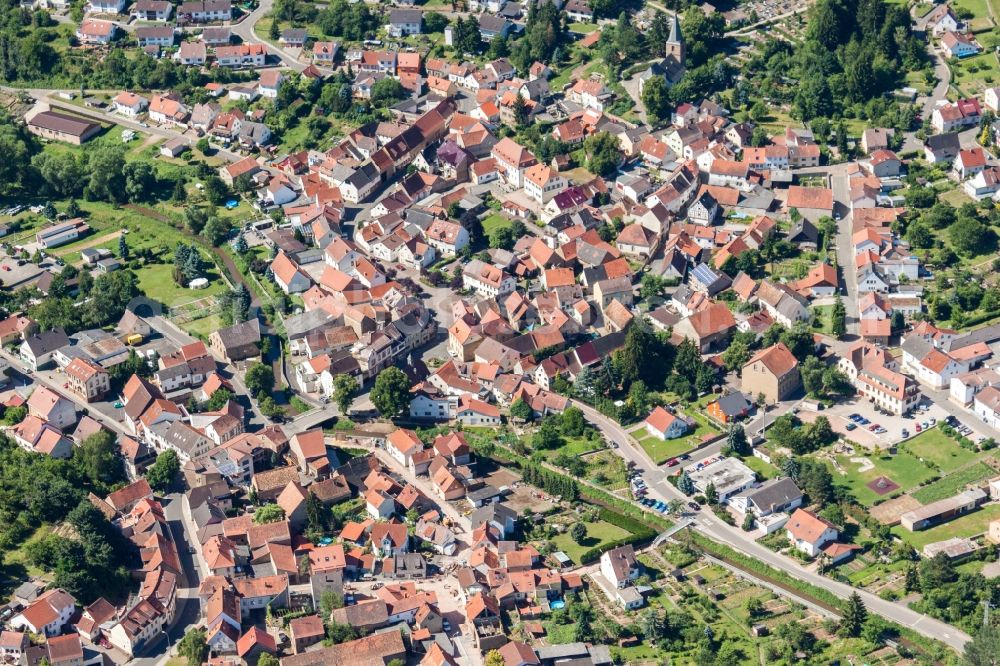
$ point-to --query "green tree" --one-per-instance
(572, 422)
(494, 658)
(98, 460)
(603, 154)
(685, 484)
(215, 190)
(578, 532)
(971, 237)
(164, 470)
(736, 440)
(391, 392)
(259, 379)
(520, 409)
(984, 648)
(387, 91)
(711, 494)
(330, 601)
(656, 99)
(269, 513)
(216, 230)
(345, 388)
(854, 616)
(193, 647)
(838, 318)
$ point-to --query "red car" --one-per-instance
(672, 462)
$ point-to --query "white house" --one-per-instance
(662, 424)
(288, 276)
(808, 532)
(620, 566)
(130, 105)
(487, 280)
(47, 615)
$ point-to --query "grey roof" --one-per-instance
(916, 347)
(803, 230)
(486, 492)
(595, 654)
(713, 281)
(775, 494)
(47, 341)
(181, 436)
(946, 141)
(499, 512)
(247, 333)
(299, 326)
(405, 16)
(733, 403)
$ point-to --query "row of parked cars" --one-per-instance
(858, 420)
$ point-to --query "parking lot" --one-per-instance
(840, 420)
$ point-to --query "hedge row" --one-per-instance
(626, 523)
(640, 533)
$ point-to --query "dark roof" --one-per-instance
(948, 140)
(803, 230)
(62, 122)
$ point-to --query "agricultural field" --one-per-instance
(953, 483)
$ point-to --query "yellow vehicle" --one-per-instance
(133, 340)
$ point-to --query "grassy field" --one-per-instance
(157, 282)
(661, 451)
(953, 483)
(902, 468)
(597, 533)
(583, 28)
(974, 74)
(968, 525)
(936, 447)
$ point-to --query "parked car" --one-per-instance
(694, 506)
(672, 462)
(905, 433)
(851, 426)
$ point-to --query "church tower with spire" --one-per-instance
(675, 42)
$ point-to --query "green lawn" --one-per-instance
(597, 534)
(822, 313)
(204, 326)
(657, 449)
(934, 446)
(765, 470)
(953, 483)
(493, 222)
(583, 28)
(902, 468)
(974, 74)
(157, 282)
(968, 525)
(661, 451)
